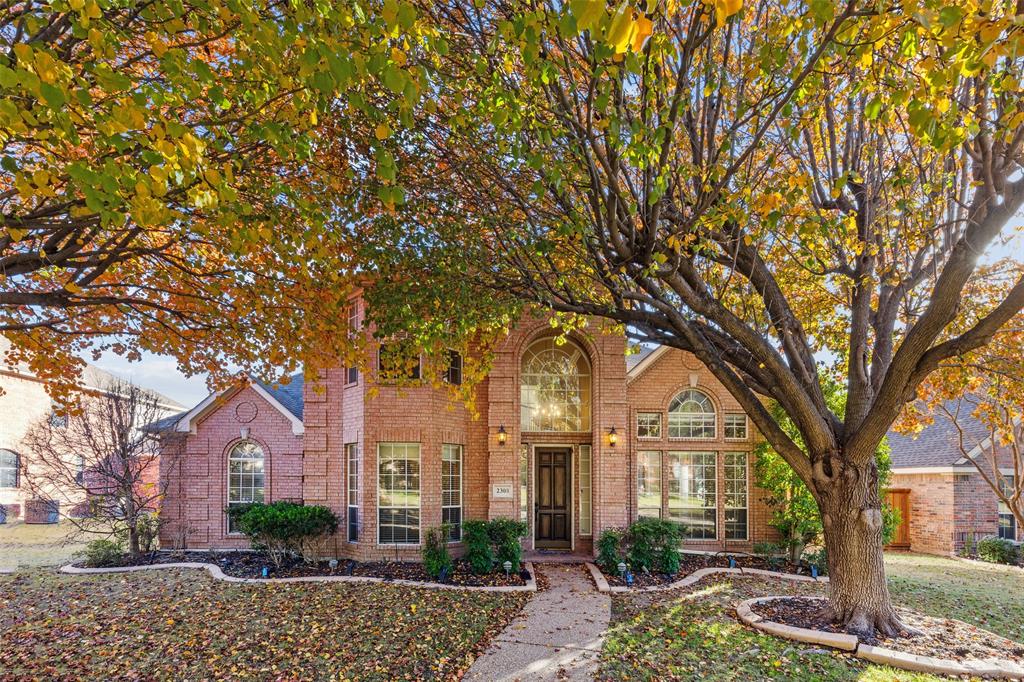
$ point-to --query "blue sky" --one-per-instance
(161, 373)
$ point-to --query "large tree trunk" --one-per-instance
(851, 513)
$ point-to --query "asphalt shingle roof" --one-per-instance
(938, 444)
(635, 359)
(289, 395)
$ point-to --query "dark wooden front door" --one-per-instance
(900, 501)
(554, 520)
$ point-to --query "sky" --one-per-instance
(160, 373)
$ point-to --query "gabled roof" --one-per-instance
(286, 398)
(638, 363)
(938, 444)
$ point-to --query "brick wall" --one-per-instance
(932, 526)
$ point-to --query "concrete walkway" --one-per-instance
(558, 635)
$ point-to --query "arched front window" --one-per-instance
(691, 414)
(8, 469)
(555, 389)
(245, 476)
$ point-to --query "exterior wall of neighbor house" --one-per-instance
(196, 469)
(932, 498)
(23, 402)
(976, 508)
(651, 391)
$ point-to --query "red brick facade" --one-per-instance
(312, 466)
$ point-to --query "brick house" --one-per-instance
(570, 438)
(24, 402)
(942, 498)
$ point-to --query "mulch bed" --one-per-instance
(941, 638)
(251, 565)
(694, 562)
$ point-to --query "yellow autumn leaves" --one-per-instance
(627, 28)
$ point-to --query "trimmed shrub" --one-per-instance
(998, 551)
(99, 553)
(435, 551)
(505, 534)
(819, 558)
(609, 550)
(477, 541)
(286, 528)
(654, 545)
(771, 552)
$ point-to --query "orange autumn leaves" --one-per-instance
(626, 28)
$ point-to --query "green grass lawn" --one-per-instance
(990, 596)
(693, 633)
(182, 624)
(30, 544)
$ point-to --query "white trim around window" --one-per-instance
(738, 421)
(736, 480)
(648, 425)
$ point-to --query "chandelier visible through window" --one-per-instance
(555, 388)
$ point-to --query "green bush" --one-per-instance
(998, 551)
(654, 545)
(770, 552)
(505, 535)
(435, 551)
(609, 550)
(819, 558)
(970, 548)
(477, 540)
(100, 553)
(147, 530)
(286, 528)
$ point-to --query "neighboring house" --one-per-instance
(24, 402)
(943, 499)
(571, 438)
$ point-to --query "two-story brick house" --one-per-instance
(572, 438)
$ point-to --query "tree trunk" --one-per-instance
(133, 541)
(851, 514)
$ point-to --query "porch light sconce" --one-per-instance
(613, 437)
(502, 435)
(244, 432)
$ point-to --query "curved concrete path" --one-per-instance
(558, 635)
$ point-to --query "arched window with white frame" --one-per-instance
(691, 414)
(555, 387)
(246, 482)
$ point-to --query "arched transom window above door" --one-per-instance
(691, 414)
(555, 388)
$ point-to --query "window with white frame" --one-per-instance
(451, 490)
(586, 501)
(1007, 521)
(692, 493)
(398, 493)
(555, 387)
(735, 426)
(691, 414)
(734, 465)
(8, 469)
(524, 483)
(246, 481)
(648, 425)
(648, 483)
(352, 457)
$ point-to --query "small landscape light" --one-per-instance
(613, 437)
(814, 571)
(333, 564)
(622, 568)
(508, 567)
(502, 435)
(266, 571)
(732, 562)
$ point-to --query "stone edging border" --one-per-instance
(603, 586)
(530, 586)
(897, 659)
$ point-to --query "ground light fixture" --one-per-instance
(502, 435)
(508, 567)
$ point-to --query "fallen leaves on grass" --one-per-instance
(185, 625)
